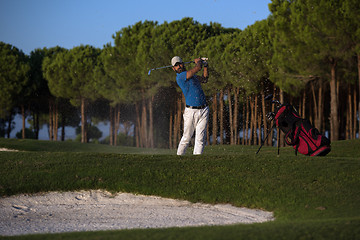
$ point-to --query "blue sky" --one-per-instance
(31, 24)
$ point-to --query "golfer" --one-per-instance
(196, 114)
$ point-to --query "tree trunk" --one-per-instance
(221, 102)
(236, 114)
(170, 129)
(208, 134)
(144, 130)
(303, 110)
(177, 127)
(83, 120)
(248, 108)
(321, 105)
(50, 120)
(354, 115)
(358, 58)
(350, 115)
(53, 123)
(334, 119)
(180, 118)
(256, 139)
(281, 135)
(36, 123)
(265, 127)
(151, 123)
(231, 123)
(214, 115)
(244, 121)
(278, 136)
(8, 131)
(176, 124)
(116, 124)
(251, 121)
(62, 127)
(259, 125)
(56, 120)
(137, 132)
(348, 120)
(272, 110)
(84, 138)
(316, 116)
(23, 120)
(318, 105)
(111, 127)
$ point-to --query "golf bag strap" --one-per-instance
(296, 137)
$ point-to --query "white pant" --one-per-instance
(194, 120)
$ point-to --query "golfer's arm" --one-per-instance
(193, 71)
(205, 75)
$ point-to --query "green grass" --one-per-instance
(70, 146)
(312, 198)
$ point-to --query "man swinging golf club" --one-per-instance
(196, 114)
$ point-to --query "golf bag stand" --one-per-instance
(267, 135)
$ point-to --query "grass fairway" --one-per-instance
(312, 198)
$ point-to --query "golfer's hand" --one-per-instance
(198, 62)
(198, 66)
(205, 63)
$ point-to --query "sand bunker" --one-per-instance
(56, 212)
(8, 150)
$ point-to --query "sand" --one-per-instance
(56, 212)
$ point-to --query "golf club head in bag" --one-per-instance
(271, 115)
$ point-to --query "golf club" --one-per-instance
(270, 117)
(203, 58)
(270, 97)
(165, 67)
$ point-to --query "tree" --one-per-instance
(129, 75)
(253, 66)
(14, 68)
(70, 75)
(50, 72)
(351, 14)
(110, 88)
(84, 61)
(247, 58)
(40, 93)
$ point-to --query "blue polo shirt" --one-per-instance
(191, 88)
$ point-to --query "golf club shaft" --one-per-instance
(168, 66)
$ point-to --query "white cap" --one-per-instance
(175, 60)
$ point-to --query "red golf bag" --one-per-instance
(300, 134)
